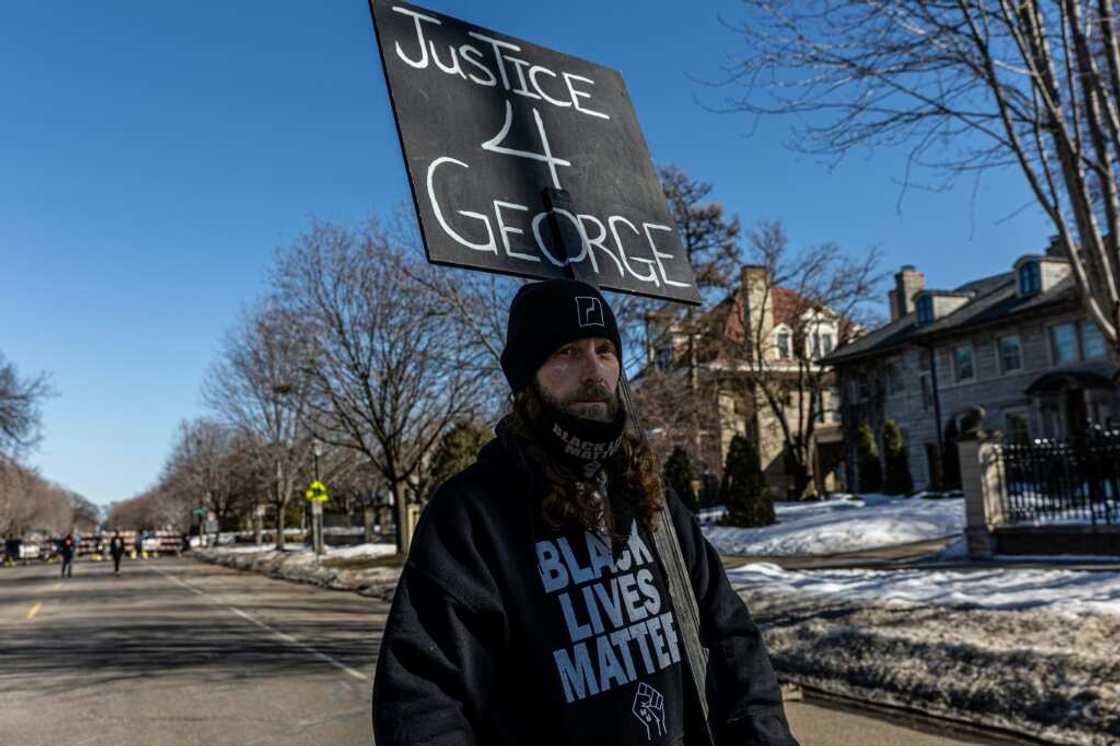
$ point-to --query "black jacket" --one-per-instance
(503, 631)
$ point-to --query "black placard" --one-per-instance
(489, 124)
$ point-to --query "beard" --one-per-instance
(594, 392)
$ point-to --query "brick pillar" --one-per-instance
(983, 485)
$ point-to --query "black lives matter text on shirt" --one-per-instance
(488, 123)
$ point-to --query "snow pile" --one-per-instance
(1064, 591)
(301, 565)
(845, 523)
(1028, 650)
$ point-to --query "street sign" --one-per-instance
(317, 492)
(502, 137)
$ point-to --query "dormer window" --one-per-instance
(784, 346)
(1030, 278)
(925, 309)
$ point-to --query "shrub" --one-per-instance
(743, 489)
(870, 470)
(677, 474)
(898, 480)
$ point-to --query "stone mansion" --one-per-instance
(1013, 352)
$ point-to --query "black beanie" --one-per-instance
(544, 316)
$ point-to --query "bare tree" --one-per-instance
(261, 385)
(165, 505)
(210, 461)
(823, 298)
(20, 416)
(967, 85)
(29, 502)
(711, 240)
(678, 409)
(389, 369)
(86, 514)
(480, 302)
(21, 491)
(676, 401)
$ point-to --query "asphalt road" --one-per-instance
(179, 652)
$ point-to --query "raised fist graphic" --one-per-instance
(649, 707)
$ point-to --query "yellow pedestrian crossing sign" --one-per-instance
(317, 492)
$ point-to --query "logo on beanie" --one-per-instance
(590, 311)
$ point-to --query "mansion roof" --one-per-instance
(992, 301)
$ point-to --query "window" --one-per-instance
(1063, 343)
(783, 345)
(1010, 354)
(895, 384)
(864, 388)
(925, 309)
(1030, 278)
(1092, 341)
(822, 344)
(1017, 427)
(962, 359)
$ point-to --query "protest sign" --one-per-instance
(523, 160)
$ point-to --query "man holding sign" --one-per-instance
(533, 609)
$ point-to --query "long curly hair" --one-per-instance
(635, 484)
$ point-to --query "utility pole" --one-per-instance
(317, 507)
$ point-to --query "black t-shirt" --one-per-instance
(605, 636)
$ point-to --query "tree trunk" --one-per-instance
(368, 520)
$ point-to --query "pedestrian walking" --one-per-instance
(116, 549)
(68, 548)
(533, 608)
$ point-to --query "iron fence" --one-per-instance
(1073, 481)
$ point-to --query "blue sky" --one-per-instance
(154, 155)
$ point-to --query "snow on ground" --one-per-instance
(844, 523)
(362, 550)
(302, 553)
(1063, 591)
(300, 564)
(1030, 651)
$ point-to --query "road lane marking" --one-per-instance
(34, 610)
(290, 639)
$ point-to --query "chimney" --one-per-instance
(892, 299)
(757, 303)
(1055, 248)
(908, 283)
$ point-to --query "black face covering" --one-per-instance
(580, 444)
